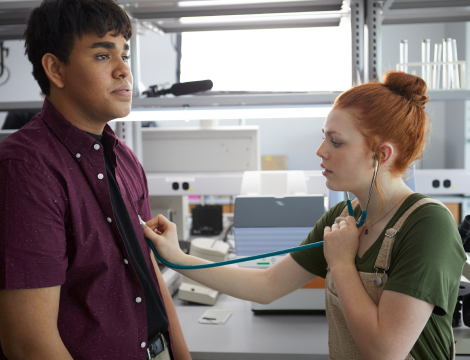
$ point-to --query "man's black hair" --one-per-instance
(54, 25)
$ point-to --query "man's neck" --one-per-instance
(76, 116)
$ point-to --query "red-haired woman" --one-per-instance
(391, 284)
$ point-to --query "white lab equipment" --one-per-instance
(442, 182)
(175, 209)
(200, 150)
(172, 279)
(209, 249)
(275, 212)
(195, 161)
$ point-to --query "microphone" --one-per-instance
(179, 89)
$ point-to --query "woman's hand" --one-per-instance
(341, 242)
(162, 232)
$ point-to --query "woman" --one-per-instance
(392, 284)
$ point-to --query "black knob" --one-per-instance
(446, 183)
(185, 186)
(175, 186)
(436, 183)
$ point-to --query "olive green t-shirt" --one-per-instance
(427, 262)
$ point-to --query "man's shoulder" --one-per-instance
(30, 144)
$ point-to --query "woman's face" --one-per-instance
(347, 165)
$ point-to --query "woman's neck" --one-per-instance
(394, 190)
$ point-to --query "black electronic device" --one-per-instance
(464, 231)
(207, 220)
(186, 88)
(462, 308)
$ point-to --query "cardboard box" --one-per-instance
(273, 163)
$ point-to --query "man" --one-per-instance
(76, 276)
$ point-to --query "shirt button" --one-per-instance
(138, 300)
(97, 147)
(100, 176)
(109, 220)
(78, 155)
(126, 262)
(143, 345)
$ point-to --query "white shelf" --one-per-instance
(247, 99)
(448, 95)
(415, 12)
(314, 98)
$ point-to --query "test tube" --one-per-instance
(456, 82)
(445, 72)
(404, 55)
(436, 68)
(426, 59)
(450, 67)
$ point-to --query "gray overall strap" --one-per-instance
(385, 253)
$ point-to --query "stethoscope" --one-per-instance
(273, 253)
(364, 212)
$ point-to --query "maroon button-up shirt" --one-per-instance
(57, 227)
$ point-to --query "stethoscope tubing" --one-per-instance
(234, 261)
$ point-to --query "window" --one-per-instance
(304, 59)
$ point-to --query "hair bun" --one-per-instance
(411, 87)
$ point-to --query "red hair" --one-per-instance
(390, 111)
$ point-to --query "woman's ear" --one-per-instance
(53, 68)
(386, 153)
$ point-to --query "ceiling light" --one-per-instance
(263, 17)
(229, 2)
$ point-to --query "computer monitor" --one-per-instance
(264, 223)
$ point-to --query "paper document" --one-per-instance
(215, 317)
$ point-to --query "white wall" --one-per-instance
(21, 86)
(157, 58)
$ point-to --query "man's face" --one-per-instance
(97, 80)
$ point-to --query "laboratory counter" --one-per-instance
(246, 336)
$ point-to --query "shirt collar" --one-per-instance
(74, 139)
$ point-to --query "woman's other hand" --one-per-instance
(162, 232)
(341, 242)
